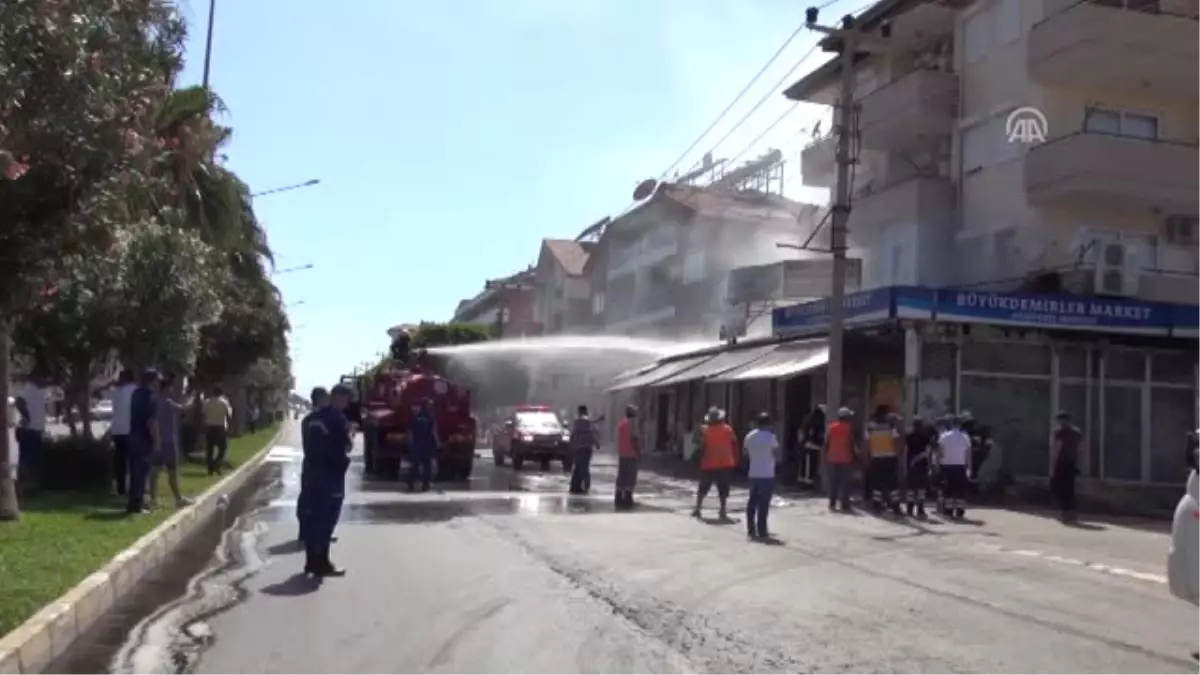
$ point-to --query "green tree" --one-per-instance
(171, 283)
(79, 82)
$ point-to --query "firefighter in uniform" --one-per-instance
(330, 440)
(320, 399)
(882, 440)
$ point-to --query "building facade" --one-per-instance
(508, 304)
(1101, 199)
(666, 261)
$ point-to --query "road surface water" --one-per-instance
(507, 573)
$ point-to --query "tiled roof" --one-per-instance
(570, 254)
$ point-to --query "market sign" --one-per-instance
(1061, 311)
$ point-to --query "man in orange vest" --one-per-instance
(629, 450)
(718, 459)
(840, 451)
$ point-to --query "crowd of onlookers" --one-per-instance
(144, 434)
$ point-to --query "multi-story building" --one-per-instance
(666, 261)
(946, 192)
(562, 290)
(506, 303)
(1033, 163)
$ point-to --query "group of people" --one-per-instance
(145, 432)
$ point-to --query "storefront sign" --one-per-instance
(1052, 311)
(861, 307)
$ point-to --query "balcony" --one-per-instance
(906, 113)
(818, 162)
(924, 200)
(1096, 169)
(1092, 45)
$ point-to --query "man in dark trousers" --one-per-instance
(122, 395)
(320, 399)
(423, 447)
(583, 442)
(143, 438)
(327, 487)
(1067, 439)
(812, 444)
(919, 442)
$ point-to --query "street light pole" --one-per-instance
(297, 186)
(212, 9)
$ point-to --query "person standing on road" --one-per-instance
(883, 440)
(1067, 439)
(143, 439)
(166, 454)
(423, 447)
(330, 436)
(583, 442)
(629, 451)
(217, 415)
(308, 441)
(718, 459)
(916, 478)
(954, 458)
(841, 454)
(118, 428)
(762, 449)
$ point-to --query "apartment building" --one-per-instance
(1106, 203)
(563, 292)
(1058, 254)
(666, 261)
(507, 303)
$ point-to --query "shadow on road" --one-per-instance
(284, 548)
(296, 585)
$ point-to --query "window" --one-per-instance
(1139, 126)
(1118, 123)
(975, 147)
(1008, 21)
(693, 266)
(977, 36)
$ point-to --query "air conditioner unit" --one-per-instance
(1117, 268)
(1182, 230)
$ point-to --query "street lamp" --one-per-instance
(299, 268)
(308, 183)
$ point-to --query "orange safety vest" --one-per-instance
(627, 445)
(720, 447)
(841, 448)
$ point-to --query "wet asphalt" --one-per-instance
(507, 573)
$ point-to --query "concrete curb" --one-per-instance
(33, 645)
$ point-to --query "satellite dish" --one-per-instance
(644, 189)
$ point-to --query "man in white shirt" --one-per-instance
(762, 451)
(954, 458)
(31, 431)
(122, 395)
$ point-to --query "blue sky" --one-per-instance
(450, 137)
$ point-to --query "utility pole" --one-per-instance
(851, 41)
(212, 9)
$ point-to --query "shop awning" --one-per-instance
(787, 360)
(661, 372)
(717, 365)
(627, 375)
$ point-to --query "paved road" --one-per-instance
(510, 575)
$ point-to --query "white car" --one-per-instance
(102, 411)
(1183, 561)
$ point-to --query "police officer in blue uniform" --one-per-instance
(320, 399)
(326, 488)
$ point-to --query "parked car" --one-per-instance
(102, 411)
(535, 433)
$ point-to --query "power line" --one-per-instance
(736, 99)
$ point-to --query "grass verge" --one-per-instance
(62, 537)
